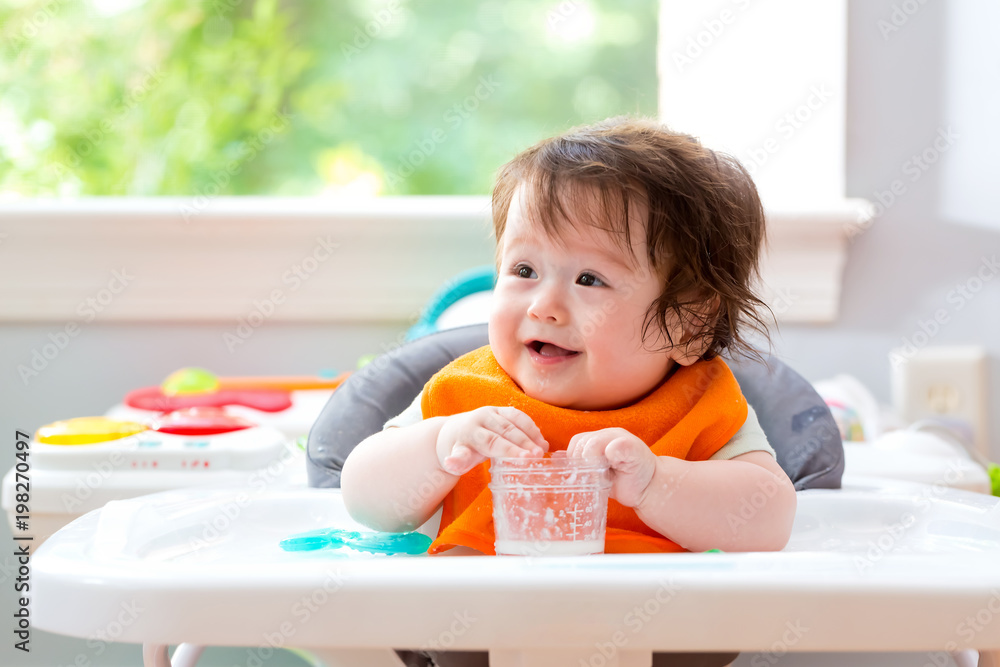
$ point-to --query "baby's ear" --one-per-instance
(695, 340)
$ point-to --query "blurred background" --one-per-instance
(123, 97)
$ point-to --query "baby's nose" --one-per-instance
(548, 305)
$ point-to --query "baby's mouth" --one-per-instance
(550, 349)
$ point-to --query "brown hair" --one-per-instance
(704, 219)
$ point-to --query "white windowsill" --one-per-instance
(243, 255)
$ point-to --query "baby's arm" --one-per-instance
(743, 504)
(746, 503)
(392, 480)
(395, 479)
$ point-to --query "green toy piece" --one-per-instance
(189, 381)
(371, 542)
(366, 359)
(993, 470)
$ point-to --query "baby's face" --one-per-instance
(567, 315)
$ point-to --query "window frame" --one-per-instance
(247, 259)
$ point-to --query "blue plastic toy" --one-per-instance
(479, 279)
(371, 542)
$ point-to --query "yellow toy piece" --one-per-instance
(87, 431)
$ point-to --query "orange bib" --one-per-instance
(690, 416)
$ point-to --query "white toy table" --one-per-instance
(953, 469)
(902, 567)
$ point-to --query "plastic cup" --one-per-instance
(550, 506)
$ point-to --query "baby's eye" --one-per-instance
(524, 272)
(589, 280)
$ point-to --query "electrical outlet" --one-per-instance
(943, 381)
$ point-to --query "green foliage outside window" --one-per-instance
(173, 97)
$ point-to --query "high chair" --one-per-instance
(876, 566)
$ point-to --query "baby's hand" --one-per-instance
(469, 438)
(632, 461)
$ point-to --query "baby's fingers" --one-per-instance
(533, 437)
(625, 455)
(624, 449)
(508, 432)
(461, 460)
(504, 442)
(583, 445)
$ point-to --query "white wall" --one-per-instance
(908, 264)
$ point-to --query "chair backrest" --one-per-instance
(797, 422)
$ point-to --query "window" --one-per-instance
(256, 97)
(353, 99)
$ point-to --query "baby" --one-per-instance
(625, 256)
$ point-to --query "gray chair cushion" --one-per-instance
(797, 422)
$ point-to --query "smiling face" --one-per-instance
(568, 312)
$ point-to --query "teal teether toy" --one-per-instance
(371, 542)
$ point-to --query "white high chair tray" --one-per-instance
(898, 567)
